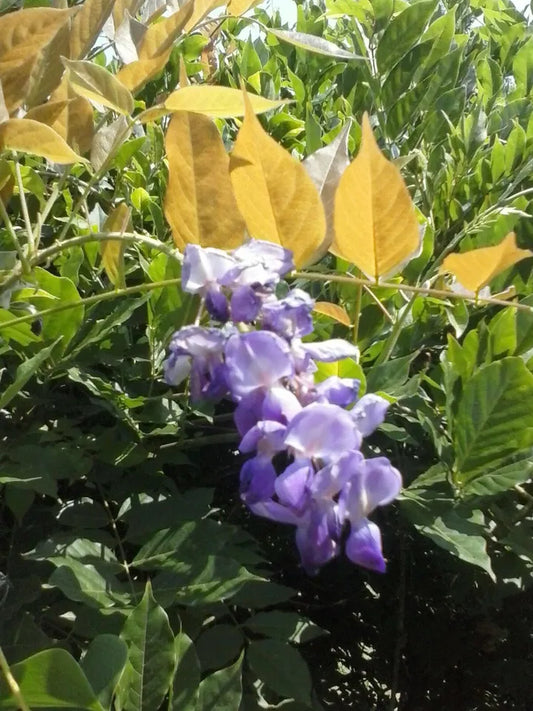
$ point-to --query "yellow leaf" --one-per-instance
(476, 268)
(38, 139)
(75, 124)
(275, 195)
(48, 113)
(87, 25)
(337, 313)
(31, 42)
(135, 75)
(160, 36)
(47, 70)
(24, 32)
(15, 82)
(216, 101)
(112, 250)
(97, 84)
(375, 222)
(199, 203)
(239, 7)
(120, 7)
(4, 113)
(201, 9)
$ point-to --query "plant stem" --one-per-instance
(425, 290)
(20, 250)
(357, 312)
(12, 683)
(24, 205)
(95, 299)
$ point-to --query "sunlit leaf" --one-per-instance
(75, 123)
(312, 43)
(375, 222)
(217, 101)
(201, 9)
(50, 679)
(239, 7)
(337, 313)
(275, 195)
(112, 250)
(135, 75)
(25, 32)
(107, 141)
(122, 6)
(476, 268)
(97, 84)
(128, 37)
(87, 25)
(48, 68)
(199, 202)
(151, 656)
(494, 418)
(325, 168)
(38, 139)
(160, 36)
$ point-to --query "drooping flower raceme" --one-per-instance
(304, 437)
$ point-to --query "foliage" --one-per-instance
(134, 578)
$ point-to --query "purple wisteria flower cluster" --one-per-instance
(304, 437)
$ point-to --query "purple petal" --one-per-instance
(317, 538)
(266, 437)
(216, 304)
(199, 341)
(383, 482)
(377, 483)
(176, 368)
(245, 304)
(337, 391)
(260, 262)
(203, 266)
(329, 351)
(258, 359)
(290, 317)
(369, 413)
(292, 486)
(249, 411)
(274, 511)
(257, 479)
(363, 547)
(281, 405)
(329, 480)
(323, 432)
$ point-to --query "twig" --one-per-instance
(12, 683)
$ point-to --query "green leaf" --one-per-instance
(256, 594)
(494, 417)
(103, 664)
(185, 687)
(312, 43)
(51, 679)
(24, 372)
(151, 657)
(389, 377)
(218, 646)
(285, 626)
(222, 691)
(93, 585)
(459, 530)
(502, 478)
(403, 32)
(281, 667)
(64, 324)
